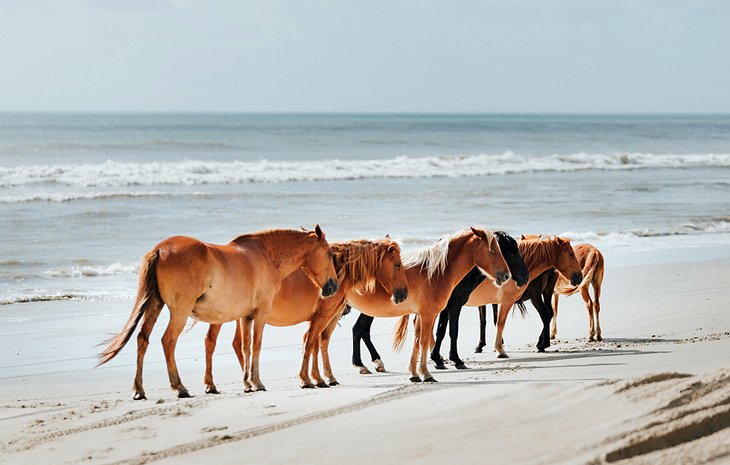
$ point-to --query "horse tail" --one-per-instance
(400, 332)
(522, 309)
(588, 270)
(147, 295)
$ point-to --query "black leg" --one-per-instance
(543, 342)
(374, 355)
(440, 334)
(454, 312)
(482, 329)
(358, 330)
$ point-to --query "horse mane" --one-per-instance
(271, 232)
(360, 260)
(434, 258)
(538, 251)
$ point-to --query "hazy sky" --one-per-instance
(365, 55)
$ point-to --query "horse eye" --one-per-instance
(397, 266)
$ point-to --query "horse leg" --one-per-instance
(543, 342)
(597, 309)
(454, 312)
(169, 341)
(374, 355)
(440, 334)
(589, 306)
(259, 322)
(425, 342)
(306, 382)
(495, 310)
(210, 342)
(414, 353)
(244, 329)
(143, 340)
(318, 381)
(324, 344)
(504, 309)
(482, 329)
(554, 325)
(357, 335)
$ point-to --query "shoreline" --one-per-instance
(657, 319)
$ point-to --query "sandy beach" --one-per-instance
(655, 389)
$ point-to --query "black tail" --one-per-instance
(147, 295)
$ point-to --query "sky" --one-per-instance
(517, 56)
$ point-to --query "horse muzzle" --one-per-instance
(576, 279)
(399, 295)
(502, 278)
(329, 288)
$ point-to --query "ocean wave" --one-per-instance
(121, 174)
(59, 197)
(92, 271)
(720, 225)
(10, 299)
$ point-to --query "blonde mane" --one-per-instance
(360, 260)
(538, 251)
(434, 258)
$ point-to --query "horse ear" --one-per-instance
(392, 248)
(479, 233)
(387, 236)
(319, 233)
(522, 237)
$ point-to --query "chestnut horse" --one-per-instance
(432, 275)
(219, 283)
(539, 255)
(360, 265)
(592, 263)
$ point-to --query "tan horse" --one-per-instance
(592, 263)
(539, 254)
(219, 283)
(360, 265)
(432, 275)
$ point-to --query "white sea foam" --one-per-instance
(120, 174)
(89, 271)
(60, 197)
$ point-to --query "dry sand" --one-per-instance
(657, 390)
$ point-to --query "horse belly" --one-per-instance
(379, 304)
(484, 294)
(222, 303)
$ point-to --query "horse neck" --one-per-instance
(285, 259)
(349, 257)
(539, 263)
(459, 262)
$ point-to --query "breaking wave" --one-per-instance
(120, 174)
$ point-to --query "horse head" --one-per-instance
(566, 263)
(488, 257)
(318, 263)
(391, 273)
(511, 254)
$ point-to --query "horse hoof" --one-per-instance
(552, 336)
(599, 339)
(212, 390)
(380, 369)
(322, 384)
(478, 350)
(364, 370)
(334, 382)
(260, 388)
(502, 355)
(183, 395)
(429, 379)
(440, 366)
(591, 339)
(461, 366)
(307, 386)
(139, 396)
(415, 379)
(541, 350)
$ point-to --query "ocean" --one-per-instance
(84, 196)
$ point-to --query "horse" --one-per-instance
(219, 283)
(459, 296)
(432, 274)
(539, 255)
(592, 262)
(360, 265)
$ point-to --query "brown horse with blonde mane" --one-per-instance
(540, 255)
(432, 275)
(592, 263)
(360, 265)
(219, 283)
